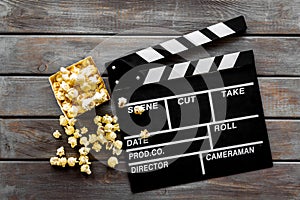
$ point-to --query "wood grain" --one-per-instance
(32, 96)
(38, 180)
(32, 139)
(96, 17)
(44, 55)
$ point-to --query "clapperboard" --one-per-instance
(205, 117)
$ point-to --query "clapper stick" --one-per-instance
(149, 75)
(168, 51)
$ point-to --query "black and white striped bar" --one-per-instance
(190, 68)
(167, 51)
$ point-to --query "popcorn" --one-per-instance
(116, 127)
(72, 112)
(109, 145)
(100, 130)
(85, 87)
(118, 144)
(72, 121)
(65, 77)
(93, 138)
(60, 96)
(138, 110)
(144, 134)
(84, 141)
(77, 134)
(108, 127)
(66, 106)
(63, 121)
(80, 79)
(112, 162)
(101, 139)
(84, 151)
(107, 119)
(72, 141)
(60, 151)
(64, 70)
(56, 134)
(116, 151)
(72, 161)
(88, 104)
(98, 120)
(63, 161)
(85, 169)
(97, 147)
(122, 102)
(115, 119)
(83, 160)
(100, 97)
(111, 136)
(58, 77)
(81, 86)
(72, 93)
(54, 161)
(84, 130)
(65, 86)
(69, 130)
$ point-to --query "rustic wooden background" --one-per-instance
(37, 37)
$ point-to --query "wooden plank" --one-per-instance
(32, 139)
(31, 55)
(38, 180)
(32, 96)
(18, 16)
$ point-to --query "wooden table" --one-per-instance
(38, 37)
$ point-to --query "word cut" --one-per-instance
(233, 92)
(225, 126)
(186, 100)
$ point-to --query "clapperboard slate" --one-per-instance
(205, 117)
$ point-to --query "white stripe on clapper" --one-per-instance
(173, 46)
(220, 29)
(204, 65)
(197, 38)
(149, 54)
(154, 75)
(228, 61)
(179, 70)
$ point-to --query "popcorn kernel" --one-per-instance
(84, 151)
(112, 162)
(97, 147)
(138, 110)
(84, 130)
(144, 134)
(122, 102)
(56, 134)
(85, 169)
(118, 144)
(72, 161)
(60, 151)
(72, 141)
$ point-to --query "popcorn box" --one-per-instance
(78, 88)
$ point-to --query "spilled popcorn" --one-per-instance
(106, 136)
